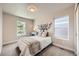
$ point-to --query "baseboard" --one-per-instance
(75, 53)
(10, 42)
(66, 48)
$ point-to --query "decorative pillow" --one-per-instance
(44, 33)
(39, 33)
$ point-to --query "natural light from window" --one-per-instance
(21, 26)
(62, 28)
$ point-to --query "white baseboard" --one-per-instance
(10, 42)
(75, 53)
(63, 47)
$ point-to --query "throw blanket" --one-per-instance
(28, 46)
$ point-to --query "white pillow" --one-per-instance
(44, 34)
(39, 33)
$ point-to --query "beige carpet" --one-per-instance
(10, 50)
(55, 51)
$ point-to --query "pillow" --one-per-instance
(44, 33)
(39, 33)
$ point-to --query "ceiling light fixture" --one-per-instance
(32, 8)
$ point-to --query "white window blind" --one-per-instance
(62, 28)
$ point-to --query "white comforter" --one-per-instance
(32, 45)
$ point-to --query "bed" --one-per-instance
(30, 46)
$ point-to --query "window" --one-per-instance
(62, 27)
(21, 28)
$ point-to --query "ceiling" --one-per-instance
(20, 9)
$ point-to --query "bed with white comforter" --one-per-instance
(30, 46)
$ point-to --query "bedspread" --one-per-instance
(28, 46)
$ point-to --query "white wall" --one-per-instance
(0, 28)
(10, 29)
(69, 44)
(42, 19)
(77, 30)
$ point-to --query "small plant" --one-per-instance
(44, 27)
